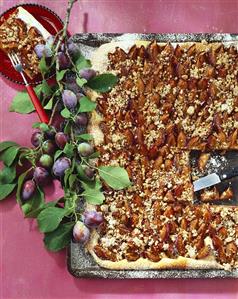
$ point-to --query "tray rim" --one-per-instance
(98, 272)
(94, 40)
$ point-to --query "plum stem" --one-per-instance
(64, 30)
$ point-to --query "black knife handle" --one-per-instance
(229, 174)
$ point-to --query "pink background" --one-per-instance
(27, 270)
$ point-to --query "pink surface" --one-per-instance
(27, 270)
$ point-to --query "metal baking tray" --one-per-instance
(81, 264)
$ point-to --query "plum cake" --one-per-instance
(169, 100)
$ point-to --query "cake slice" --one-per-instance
(20, 33)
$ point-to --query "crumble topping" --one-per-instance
(16, 36)
(168, 102)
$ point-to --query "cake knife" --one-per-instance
(214, 179)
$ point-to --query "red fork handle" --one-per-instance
(37, 104)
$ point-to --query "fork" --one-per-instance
(35, 101)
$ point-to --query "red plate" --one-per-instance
(48, 19)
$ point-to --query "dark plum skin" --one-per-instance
(73, 49)
(69, 99)
(92, 218)
(28, 190)
(73, 87)
(36, 138)
(87, 73)
(89, 172)
(81, 119)
(85, 149)
(49, 147)
(80, 232)
(80, 130)
(41, 176)
(46, 161)
(70, 77)
(61, 139)
(64, 62)
(40, 50)
(60, 166)
(57, 121)
(43, 50)
(50, 134)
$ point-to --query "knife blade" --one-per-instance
(206, 181)
(214, 178)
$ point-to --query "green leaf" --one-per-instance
(80, 172)
(19, 185)
(69, 150)
(67, 127)
(6, 190)
(72, 179)
(68, 172)
(94, 197)
(65, 113)
(66, 176)
(82, 63)
(36, 212)
(6, 144)
(95, 185)
(9, 155)
(7, 175)
(36, 125)
(22, 102)
(22, 157)
(116, 177)
(42, 126)
(103, 82)
(70, 200)
(45, 88)
(50, 218)
(86, 105)
(60, 75)
(58, 154)
(49, 105)
(94, 155)
(59, 238)
(85, 137)
(32, 206)
(81, 82)
(43, 66)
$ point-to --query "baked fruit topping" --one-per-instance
(168, 101)
(17, 36)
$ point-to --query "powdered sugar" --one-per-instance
(216, 163)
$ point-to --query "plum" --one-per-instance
(88, 171)
(64, 62)
(87, 73)
(43, 50)
(48, 147)
(41, 176)
(61, 139)
(69, 99)
(81, 233)
(85, 149)
(37, 138)
(73, 49)
(46, 161)
(81, 119)
(92, 218)
(60, 166)
(28, 189)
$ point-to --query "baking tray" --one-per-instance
(80, 263)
